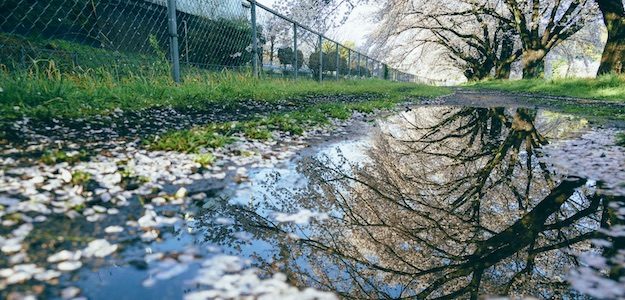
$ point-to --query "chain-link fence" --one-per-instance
(179, 36)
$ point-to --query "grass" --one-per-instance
(609, 87)
(54, 87)
(620, 139)
(205, 159)
(46, 93)
(52, 157)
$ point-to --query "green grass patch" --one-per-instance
(620, 139)
(205, 159)
(609, 87)
(52, 157)
(80, 178)
(79, 81)
(70, 80)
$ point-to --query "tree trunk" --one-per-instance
(503, 71)
(475, 75)
(534, 63)
(479, 70)
(504, 64)
(613, 59)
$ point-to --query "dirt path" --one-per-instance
(605, 113)
(473, 97)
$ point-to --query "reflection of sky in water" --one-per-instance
(289, 177)
(124, 282)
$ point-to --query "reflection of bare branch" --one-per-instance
(438, 211)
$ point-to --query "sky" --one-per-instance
(357, 27)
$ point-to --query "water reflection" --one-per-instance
(449, 203)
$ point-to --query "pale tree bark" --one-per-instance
(613, 59)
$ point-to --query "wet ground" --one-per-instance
(433, 201)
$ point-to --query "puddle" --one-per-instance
(433, 202)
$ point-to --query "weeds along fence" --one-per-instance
(147, 37)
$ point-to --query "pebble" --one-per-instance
(99, 248)
(68, 266)
(70, 292)
(114, 229)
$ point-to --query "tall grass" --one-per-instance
(44, 92)
(608, 87)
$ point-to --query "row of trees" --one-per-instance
(484, 37)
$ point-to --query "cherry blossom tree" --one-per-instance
(613, 59)
(481, 35)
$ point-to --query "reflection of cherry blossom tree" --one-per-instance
(450, 203)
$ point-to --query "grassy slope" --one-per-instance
(605, 88)
(99, 85)
(49, 94)
(63, 96)
(105, 80)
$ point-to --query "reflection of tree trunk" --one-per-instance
(613, 59)
(519, 235)
(496, 122)
(534, 63)
(525, 230)
(614, 220)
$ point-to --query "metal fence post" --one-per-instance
(338, 59)
(373, 68)
(186, 40)
(320, 58)
(23, 57)
(296, 62)
(75, 59)
(173, 40)
(359, 66)
(384, 72)
(254, 39)
(349, 62)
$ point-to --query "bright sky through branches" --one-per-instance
(357, 27)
